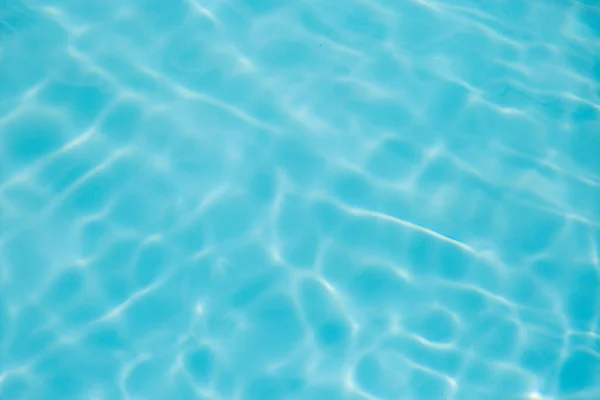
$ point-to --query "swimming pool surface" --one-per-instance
(304, 200)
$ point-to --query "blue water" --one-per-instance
(308, 199)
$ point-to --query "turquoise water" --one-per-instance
(308, 199)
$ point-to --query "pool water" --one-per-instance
(307, 199)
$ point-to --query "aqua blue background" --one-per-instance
(310, 199)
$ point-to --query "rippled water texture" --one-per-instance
(307, 199)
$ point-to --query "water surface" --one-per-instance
(316, 199)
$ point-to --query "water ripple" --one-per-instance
(257, 199)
